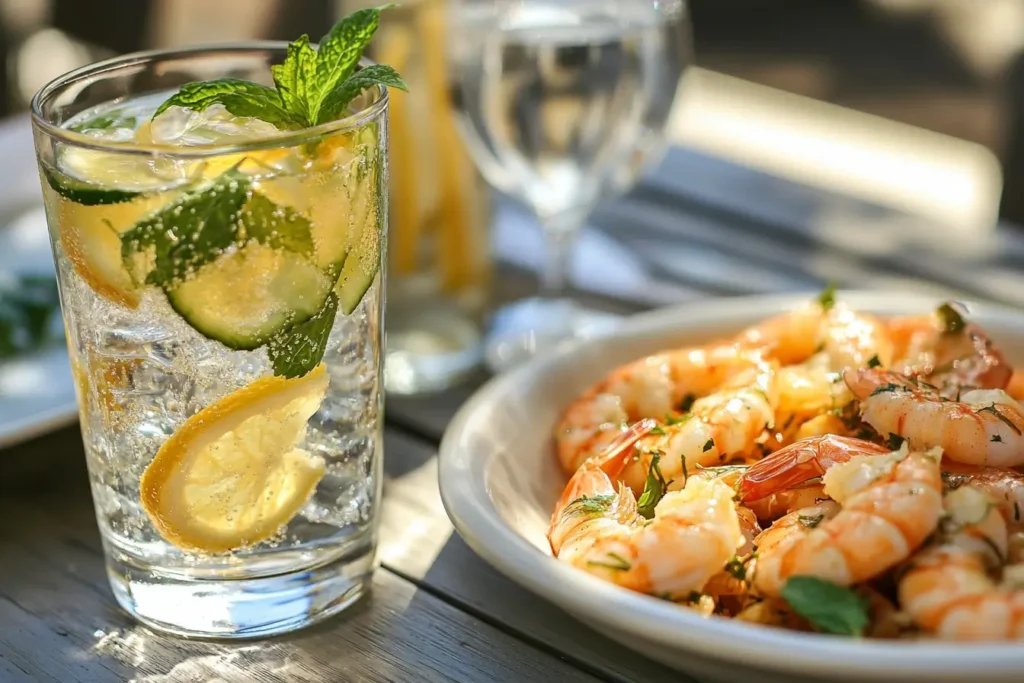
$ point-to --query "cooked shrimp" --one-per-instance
(890, 504)
(847, 338)
(719, 428)
(798, 463)
(1015, 387)
(656, 386)
(775, 505)
(948, 590)
(596, 527)
(1004, 487)
(983, 427)
(948, 352)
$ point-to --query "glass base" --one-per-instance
(430, 349)
(239, 608)
(531, 327)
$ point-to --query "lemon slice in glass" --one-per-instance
(232, 475)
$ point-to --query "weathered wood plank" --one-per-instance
(59, 621)
(418, 541)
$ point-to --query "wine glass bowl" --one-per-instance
(562, 103)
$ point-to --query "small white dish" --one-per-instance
(499, 483)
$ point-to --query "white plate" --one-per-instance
(37, 393)
(499, 482)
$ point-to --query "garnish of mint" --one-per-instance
(829, 608)
(312, 86)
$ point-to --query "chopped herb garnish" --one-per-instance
(894, 441)
(694, 597)
(873, 362)
(657, 431)
(951, 320)
(654, 489)
(673, 420)
(827, 298)
(829, 608)
(996, 439)
(951, 482)
(687, 403)
(737, 568)
(810, 521)
(884, 388)
(686, 474)
(594, 505)
(614, 562)
(995, 411)
(709, 445)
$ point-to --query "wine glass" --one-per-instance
(562, 103)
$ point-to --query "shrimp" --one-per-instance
(597, 527)
(845, 337)
(982, 427)
(890, 504)
(655, 386)
(948, 352)
(948, 590)
(719, 428)
(799, 463)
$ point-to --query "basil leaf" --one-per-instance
(827, 298)
(295, 77)
(829, 608)
(241, 98)
(339, 53)
(192, 230)
(280, 227)
(337, 100)
(295, 352)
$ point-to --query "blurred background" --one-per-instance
(952, 67)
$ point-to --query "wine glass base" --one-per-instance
(532, 327)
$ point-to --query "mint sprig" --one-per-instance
(311, 86)
(829, 608)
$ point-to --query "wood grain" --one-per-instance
(419, 543)
(59, 622)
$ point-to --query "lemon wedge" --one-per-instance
(93, 246)
(232, 475)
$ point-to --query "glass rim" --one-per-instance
(285, 138)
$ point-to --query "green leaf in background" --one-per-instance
(337, 100)
(276, 226)
(295, 76)
(192, 230)
(295, 352)
(829, 608)
(28, 305)
(83, 193)
(241, 98)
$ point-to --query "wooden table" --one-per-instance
(437, 612)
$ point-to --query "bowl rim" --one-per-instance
(466, 497)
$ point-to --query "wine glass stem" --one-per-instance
(560, 234)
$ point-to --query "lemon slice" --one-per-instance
(232, 475)
(93, 245)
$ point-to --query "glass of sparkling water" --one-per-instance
(562, 103)
(222, 290)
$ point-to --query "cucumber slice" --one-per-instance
(246, 296)
(84, 193)
(363, 261)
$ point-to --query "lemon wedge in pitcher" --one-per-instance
(232, 475)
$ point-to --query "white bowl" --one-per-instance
(499, 482)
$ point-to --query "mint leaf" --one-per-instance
(241, 98)
(280, 227)
(337, 100)
(296, 351)
(829, 608)
(295, 76)
(104, 122)
(190, 231)
(84, 193)
(339, 53)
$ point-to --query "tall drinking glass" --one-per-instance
(204, 263)
(562, 103)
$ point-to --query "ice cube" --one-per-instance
(214, 125)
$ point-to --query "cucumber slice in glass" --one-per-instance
(247, 295)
